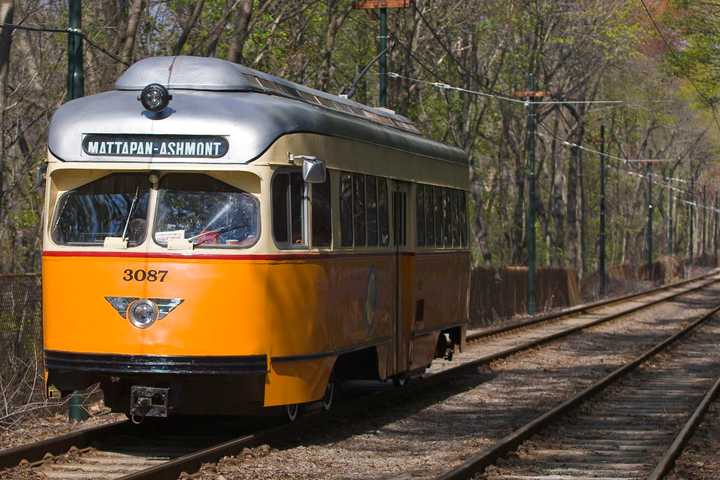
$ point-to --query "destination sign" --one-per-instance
(183, 146)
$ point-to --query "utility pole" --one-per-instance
(531, 127)
(382, 46)
(715, 230)
(75, 89)
(669, 218)
(692, 222)
(649, 230)
(76, 74)
(382, 51)
(602, 259)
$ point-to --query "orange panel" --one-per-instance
(245, 305)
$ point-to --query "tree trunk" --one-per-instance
(126, 54)
(7, 8)
(242, 29)
(573, 236)
(219, 28)
(188, 26)
(335, 22)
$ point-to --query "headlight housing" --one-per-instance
(155, 97)
(143, 313)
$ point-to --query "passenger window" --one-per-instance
(420, 215)
(383, 213)
(297, 187)
(359, 209)
(452, 202)
(321, 215)
(280, 207)
(346, 210)
(288, 208)
(437, 210)
(429, 216)
(400, 209)
(463, 219)
(372, 210)
(447, 239)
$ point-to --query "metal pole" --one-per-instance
(703, 249)
(382, 51)
(531, 127)
(602, 260)
(670, 218)
(76, 74)
(75, 89)
(715, 229)
(692, 221)
(649, 231)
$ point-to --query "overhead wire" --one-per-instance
(445, 86)
(75, 31)
(651, 177)
(624, 160)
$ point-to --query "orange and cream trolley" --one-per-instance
(218, 240)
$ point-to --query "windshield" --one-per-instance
(113, 206)
(205, 211)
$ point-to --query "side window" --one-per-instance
(364, 211)
(280, 186)
(359, 209)
(437, 210)
(454, 221)
(321, 216)
(384, 221)
(429, 217)
(420, 214)
(400, 209)
(372, 210)
(346, 210)
(288, 208)
(463, 219)
(297, 217)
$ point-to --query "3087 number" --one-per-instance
(144, 275)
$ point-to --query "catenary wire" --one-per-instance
(76, 31)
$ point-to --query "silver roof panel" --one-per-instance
(216, 97)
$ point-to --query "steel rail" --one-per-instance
(478, 462)
(192, 462)
(35, 453)
(580, 309)
(675, 450)
(563, 333)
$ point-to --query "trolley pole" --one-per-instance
(75, 89)
(649, 230)
(602, 259)
(382, 51)
(531, 128)
(76, 74)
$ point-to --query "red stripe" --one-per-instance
(276, 256)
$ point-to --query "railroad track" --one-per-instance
(648, 410)
(130, 450)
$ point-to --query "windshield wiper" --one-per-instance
(132, 208)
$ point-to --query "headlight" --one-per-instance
(155, 97)
(143, 313)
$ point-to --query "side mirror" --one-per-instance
(313, 170)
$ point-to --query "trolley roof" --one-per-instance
(216, 98)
